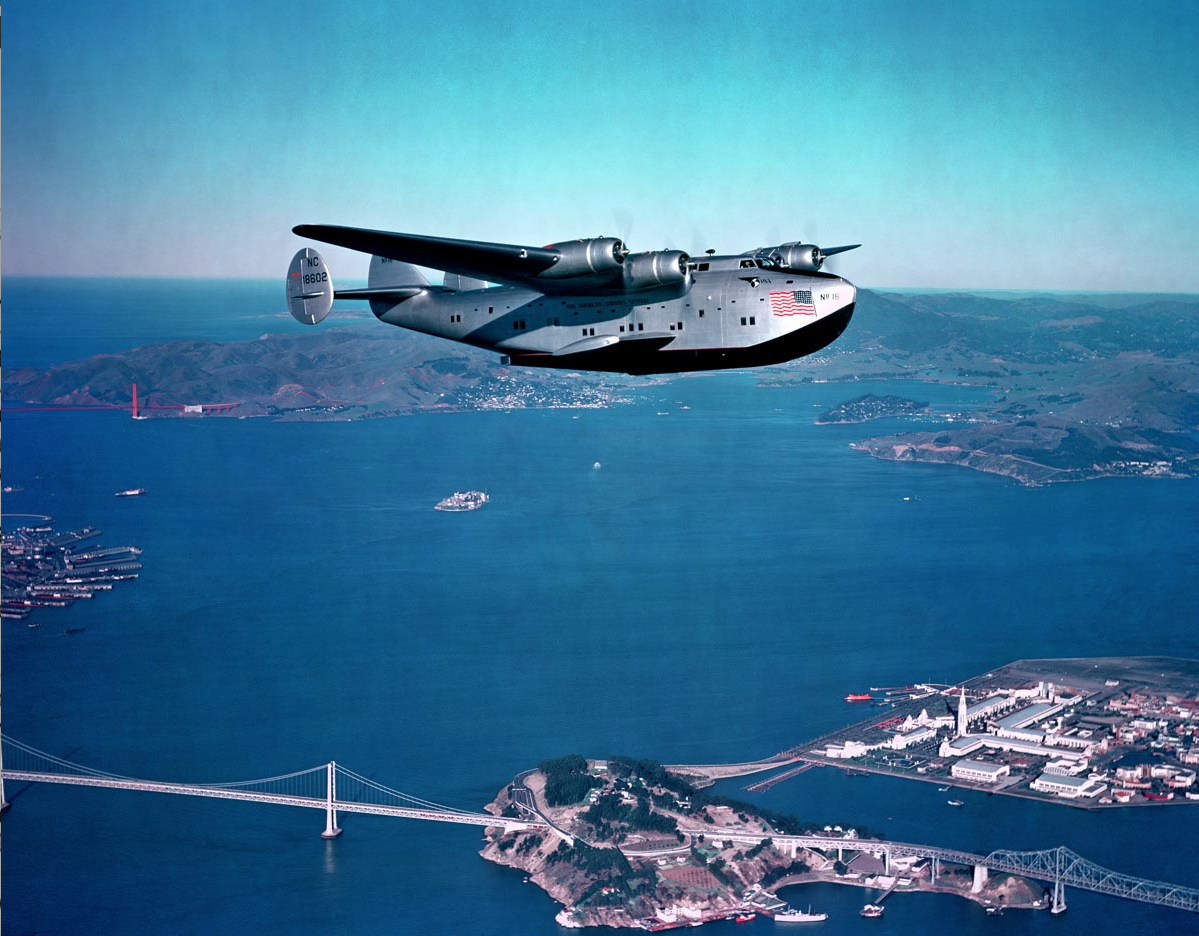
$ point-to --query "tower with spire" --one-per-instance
(962, 713)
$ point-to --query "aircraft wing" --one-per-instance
(498, 263)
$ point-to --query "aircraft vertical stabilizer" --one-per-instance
(385, 273)
(457, 283)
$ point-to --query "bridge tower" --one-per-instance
(1059, 886)
(331, 829)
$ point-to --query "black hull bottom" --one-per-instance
(635, 358)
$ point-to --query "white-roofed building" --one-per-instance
(905, 739)
(1068, 787)
(980, 772)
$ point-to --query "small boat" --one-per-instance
(745, 917)
(788, 915)
(871, 910)
(859, 697)
(994, 911)
(942, 789)
(132, 492)
(955, 802)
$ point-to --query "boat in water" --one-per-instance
(799, 916)
(132, 492)
(955, 802)
(859, 697)
(462, 500)
(745, 917)
(871, 910)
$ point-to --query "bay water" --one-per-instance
(696, 577)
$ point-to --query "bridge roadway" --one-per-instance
(279, 799)
(1059, 866)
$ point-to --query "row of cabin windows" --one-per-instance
(752, 320)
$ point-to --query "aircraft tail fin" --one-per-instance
(385, 274)
(309, 287)
(455, 283)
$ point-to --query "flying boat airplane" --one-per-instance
(589, 304)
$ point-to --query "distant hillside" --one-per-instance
(354, 371)
(1082, 388)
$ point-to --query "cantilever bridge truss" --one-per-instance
(335, 789)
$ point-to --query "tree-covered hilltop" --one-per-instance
(567, 780)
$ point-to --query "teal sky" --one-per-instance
(964, 144)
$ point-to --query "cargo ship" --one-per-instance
(462, 500)
(859, 697)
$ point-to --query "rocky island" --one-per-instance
(629, 843)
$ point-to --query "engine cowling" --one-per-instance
(588, 257)
(656, 268)
(796, 257)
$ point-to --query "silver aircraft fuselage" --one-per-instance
(682, 314)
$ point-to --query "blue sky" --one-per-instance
(987, 145)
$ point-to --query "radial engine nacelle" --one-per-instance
(798, 258)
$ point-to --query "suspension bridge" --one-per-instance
(330, 787)
(335, 789)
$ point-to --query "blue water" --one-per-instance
(711, 592)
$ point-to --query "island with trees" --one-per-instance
(625, 842)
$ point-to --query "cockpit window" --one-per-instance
(747, 264)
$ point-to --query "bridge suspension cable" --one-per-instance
(330, 787)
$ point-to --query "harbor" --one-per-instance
(44, 569)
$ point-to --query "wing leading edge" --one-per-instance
(500, 263)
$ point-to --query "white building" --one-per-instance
(979, 772)
(1068, 787)
(906, 739)
(1065, 768)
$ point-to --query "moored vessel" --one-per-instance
(871, 910)
(789, 915)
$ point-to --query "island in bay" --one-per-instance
(1077, 387)
(630, 843)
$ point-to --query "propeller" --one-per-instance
(822, 254)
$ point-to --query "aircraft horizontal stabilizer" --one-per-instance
(385, 293)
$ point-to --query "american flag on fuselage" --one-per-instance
(792, 303)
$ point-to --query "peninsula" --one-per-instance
(1092, 733)
(1082, 386)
